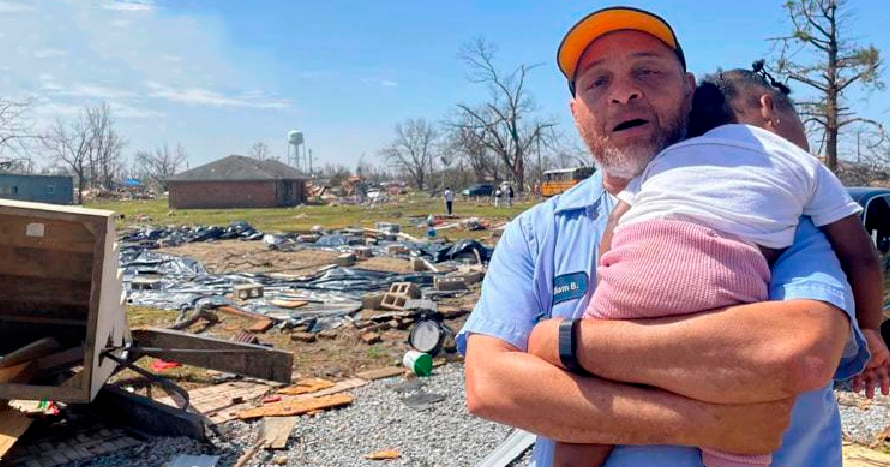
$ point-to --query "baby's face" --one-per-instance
(791, 128)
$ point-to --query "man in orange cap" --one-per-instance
(757, 378)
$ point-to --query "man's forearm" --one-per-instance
(750, 353)
(521, 390)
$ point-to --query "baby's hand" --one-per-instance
(877, 371)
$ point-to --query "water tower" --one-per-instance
(295, 144)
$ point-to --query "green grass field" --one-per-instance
(304, 217)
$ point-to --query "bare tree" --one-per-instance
(819, 28)
(506, 123)
(162, 163)
(69, 144)
(105, 146)
(467, 143)
(15, 122)
(260, 151)
(413, 150)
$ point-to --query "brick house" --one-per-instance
(237, 182)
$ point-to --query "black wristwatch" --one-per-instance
(568, 346)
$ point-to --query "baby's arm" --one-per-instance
(861, 263)
(614, 217)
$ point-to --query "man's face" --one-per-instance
(632, 100)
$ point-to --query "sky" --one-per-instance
(219, 76)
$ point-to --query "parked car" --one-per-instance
(479, 189)
(875, 202)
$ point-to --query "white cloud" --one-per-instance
(380, 82)
(129, 5)
(127, 111)
(208, 97)
(49, 52)
(14, 7)
(94, 91)
(52, 110)
(171, 58)
(121, 23)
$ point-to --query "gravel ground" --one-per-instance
(862, 420)
(440, 434)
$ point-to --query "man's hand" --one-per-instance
(543, 342)
(877, 371)
(594, 410)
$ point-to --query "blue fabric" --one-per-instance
(560, 238)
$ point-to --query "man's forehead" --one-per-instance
(621, 45)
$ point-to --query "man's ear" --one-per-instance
(689, 85)
(572, 105)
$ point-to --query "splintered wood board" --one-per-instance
(289, 408)
(307, 386)
(12, 425)
(277, 430)
(381, 373)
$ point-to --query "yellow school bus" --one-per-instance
(560, 180)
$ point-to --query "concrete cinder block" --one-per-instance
(449, 284)
(393, 302)
(248, 291)
(407, 289)
(396, 249)
(371, 301)
(346, 259)
(363, 252)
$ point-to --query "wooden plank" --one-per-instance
(20, 373)
(44, 290)
(63, 359)
(30, 392)
(248, 360)
(148, 416)
(32, 351)
(277, 430)
(45, 234)
(240, 313)
(307, 386)
(41, 320)
(289, 408)
(111, 319)
(13, 424)
(381, 373)
(342, 386)
(55, 211)
(37, 262)
(94, 342)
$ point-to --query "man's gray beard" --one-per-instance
(627, 163)
(624, 164)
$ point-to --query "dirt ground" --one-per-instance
(252, 257)
(340, 354)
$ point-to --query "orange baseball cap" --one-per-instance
(604, 21)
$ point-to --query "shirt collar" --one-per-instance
(585, 194)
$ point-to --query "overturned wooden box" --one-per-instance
(60, 286)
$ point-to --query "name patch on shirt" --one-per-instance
(569, 287)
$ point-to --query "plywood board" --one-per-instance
(13, 424)
(307, 386)
(289, 408)
(381, 373)
(277, 430)
(244, 359)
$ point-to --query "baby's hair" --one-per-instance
(714, 99)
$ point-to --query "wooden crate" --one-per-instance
(59, 278)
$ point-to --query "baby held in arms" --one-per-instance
(700, 227)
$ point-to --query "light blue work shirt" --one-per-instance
(544, 265)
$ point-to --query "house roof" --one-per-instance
(236, 167)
